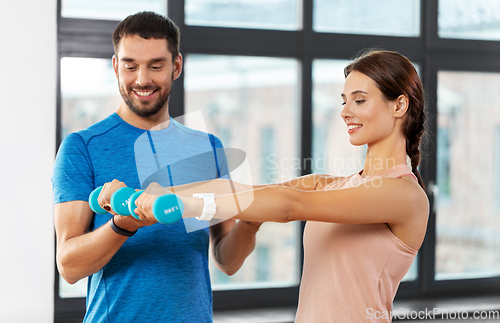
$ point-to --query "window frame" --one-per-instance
(92, 38)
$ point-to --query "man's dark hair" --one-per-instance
(148, 25)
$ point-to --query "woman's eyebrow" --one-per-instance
(354, 93)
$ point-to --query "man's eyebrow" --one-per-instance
(157, 60)
(153, 60)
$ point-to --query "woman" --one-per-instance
(362, 231)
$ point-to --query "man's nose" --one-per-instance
(143, 77)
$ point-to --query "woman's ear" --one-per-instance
(402, 105)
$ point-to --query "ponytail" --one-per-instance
(413, 129)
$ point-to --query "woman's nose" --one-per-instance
(346, 112)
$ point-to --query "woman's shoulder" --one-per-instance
(323, 181)
(414, 196)
(416, 191)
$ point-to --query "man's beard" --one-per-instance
(154, 107)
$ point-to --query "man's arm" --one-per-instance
(81, 253)
(232, 242)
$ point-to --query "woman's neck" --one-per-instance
(382, 156)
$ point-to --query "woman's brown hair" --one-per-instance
(395, 75)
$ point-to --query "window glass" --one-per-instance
(388, 17)
(251, 103)
(109, 9)
(464, 19)
(332, 152)
(468, 169)
(262, 14)
(89, 93)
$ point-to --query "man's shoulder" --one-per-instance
(99, 128)
(189, 132)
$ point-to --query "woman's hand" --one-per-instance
(146, 200)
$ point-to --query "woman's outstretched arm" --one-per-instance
(222, 186)
(219, 187)
(383, 201)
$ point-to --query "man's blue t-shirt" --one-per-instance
(161, 273)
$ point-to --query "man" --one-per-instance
(140, 271)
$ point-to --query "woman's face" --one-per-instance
(367, 113)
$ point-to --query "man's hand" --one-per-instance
(128, 223)
(107, 191)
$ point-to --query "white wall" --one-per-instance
(28, 60)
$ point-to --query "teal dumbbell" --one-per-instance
(131, 204)
(167, 209)
(119, 201)
(94, 205)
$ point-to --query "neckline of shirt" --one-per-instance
(169, 128)
(385, 171)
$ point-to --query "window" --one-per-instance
(391, 18)
(332, 151)
(467, 223)
(268, 149)
(88, 95)
(261, 14)
(255, 101)
(88, 92)
(463, 19)
(110, 9)
(497, 169)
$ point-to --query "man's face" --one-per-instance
(145, 73)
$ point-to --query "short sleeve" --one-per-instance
(73, 175)
(220, 159)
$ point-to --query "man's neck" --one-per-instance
(159, 121)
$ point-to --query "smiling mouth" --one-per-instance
(144, 94)
(354, 126)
